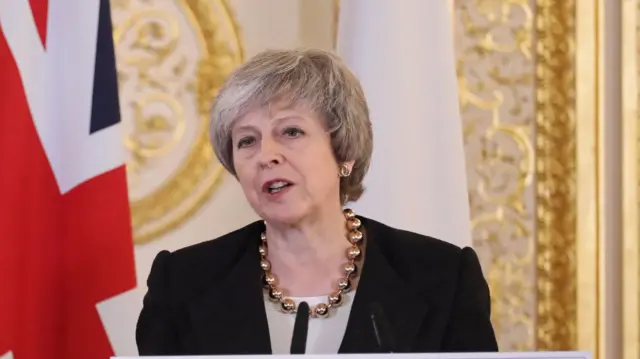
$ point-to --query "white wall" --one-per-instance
(264, 24)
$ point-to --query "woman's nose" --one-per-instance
(270, 153)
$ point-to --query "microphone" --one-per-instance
(381, 329)
(300, 329)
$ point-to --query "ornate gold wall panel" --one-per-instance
(496, 69)
(172, 57)
(516, 69)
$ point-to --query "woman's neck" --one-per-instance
(307, 258)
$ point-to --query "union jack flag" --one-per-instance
(65, 232)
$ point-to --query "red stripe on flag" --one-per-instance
(98, 261)
(31, 271)
(40, 9)
(59, 255)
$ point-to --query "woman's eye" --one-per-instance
(246, 141)
(293, 132)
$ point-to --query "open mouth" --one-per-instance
(276, 186)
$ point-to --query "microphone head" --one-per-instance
(303, 307)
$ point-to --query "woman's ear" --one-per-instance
(350, 164)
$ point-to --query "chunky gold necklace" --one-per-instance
(354, 235)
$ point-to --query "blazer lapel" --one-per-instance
(379, 283)
(230, 317)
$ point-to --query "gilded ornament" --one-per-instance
(556, 175)
(496, 73)
(172, 58)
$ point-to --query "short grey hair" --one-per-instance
(314, 78)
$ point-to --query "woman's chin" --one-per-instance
(285, 215)
(283, 218)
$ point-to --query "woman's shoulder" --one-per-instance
(408, 241)
(203, 263)
(223, 248)
(413, 255)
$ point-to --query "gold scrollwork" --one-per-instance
(556, 175)
(495, 74)
(162, 82)
(155, 135)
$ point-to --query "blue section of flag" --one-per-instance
(105, 110)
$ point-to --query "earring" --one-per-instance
(344, 170)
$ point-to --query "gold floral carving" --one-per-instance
(555, 175)
(497, 98)
(172, 58)
(517, 86)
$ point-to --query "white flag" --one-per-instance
(403, 53)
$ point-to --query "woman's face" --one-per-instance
(285, 164)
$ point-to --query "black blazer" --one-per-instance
(208, 298)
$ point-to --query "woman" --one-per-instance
(293, 128)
